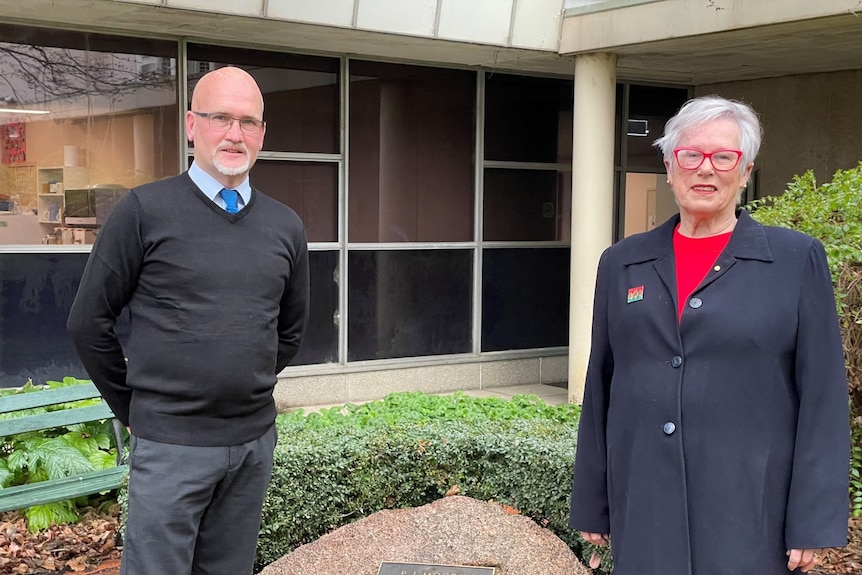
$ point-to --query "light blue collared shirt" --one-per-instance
(211, 187)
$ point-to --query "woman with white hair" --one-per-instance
(714, 437)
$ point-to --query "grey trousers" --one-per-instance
(195, 510)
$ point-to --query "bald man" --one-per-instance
(215, 277)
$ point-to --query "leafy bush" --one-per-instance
(54, 453)
(832, 212)
(410, 449)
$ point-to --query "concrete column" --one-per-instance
(592, 200)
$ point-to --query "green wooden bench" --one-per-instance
(23, 496)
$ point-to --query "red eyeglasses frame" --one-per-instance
(707, 155)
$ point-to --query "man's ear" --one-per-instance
(190, 126)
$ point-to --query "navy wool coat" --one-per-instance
(712, 444)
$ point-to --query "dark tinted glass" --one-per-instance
(618, 114)
(411, 153)
(37, 290)
(300, 94)
(36, 293)
(320, 342)
(649, 110)
(525, 298)
(528, 119)
(527, 205)
(310, 188)
(404, 303)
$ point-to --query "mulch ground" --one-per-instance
(88, 547)
(844, 560)
(91, 548)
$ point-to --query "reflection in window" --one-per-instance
(320, 342)
(300, 94)
(37, 292)
(310, 188)
(528, 119)
(653, 107)
(527, 205)
(80, 123)
(411, 153)
(525, 298)
(409, 303)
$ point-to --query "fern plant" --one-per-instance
(54, 453)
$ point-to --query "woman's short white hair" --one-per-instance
(699, 111)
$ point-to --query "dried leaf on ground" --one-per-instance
(89, 548)
(63, 549)
(844, 560)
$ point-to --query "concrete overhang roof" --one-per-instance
(697, 42)
(148, 20)
(669, 49)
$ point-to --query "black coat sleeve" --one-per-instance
(817, 506)
(589, 501)
(293, 309)
(107, 284)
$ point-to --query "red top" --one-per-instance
(694, 258)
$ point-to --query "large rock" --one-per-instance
(451, 531)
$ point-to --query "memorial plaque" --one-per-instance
(389, 568)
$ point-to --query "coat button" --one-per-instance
(695, 303)
(668, 428)
(676, 361)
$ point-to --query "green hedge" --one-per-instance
(409, 450)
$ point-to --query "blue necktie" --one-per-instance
(230, 198)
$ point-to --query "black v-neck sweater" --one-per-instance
(218, 304)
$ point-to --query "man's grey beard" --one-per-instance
(224, 170)
(237, 171)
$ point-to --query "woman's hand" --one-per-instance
(803, 559)
(595, 539)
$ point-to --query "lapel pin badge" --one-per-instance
(635, 294)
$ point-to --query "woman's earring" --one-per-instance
(668, 181)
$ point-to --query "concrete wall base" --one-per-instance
(358, 386)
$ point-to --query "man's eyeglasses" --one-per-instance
(692, 158)
(224, 122)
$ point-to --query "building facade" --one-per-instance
(458, 166)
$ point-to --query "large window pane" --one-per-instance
(36, 292)
(300, 94)
(409, 303)
(618, 116)
(525, 298)
(411, 153)
(310, 188)
(527, 205)
(528, 119)
(320, 342)
(649, 110)
(83, 117)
